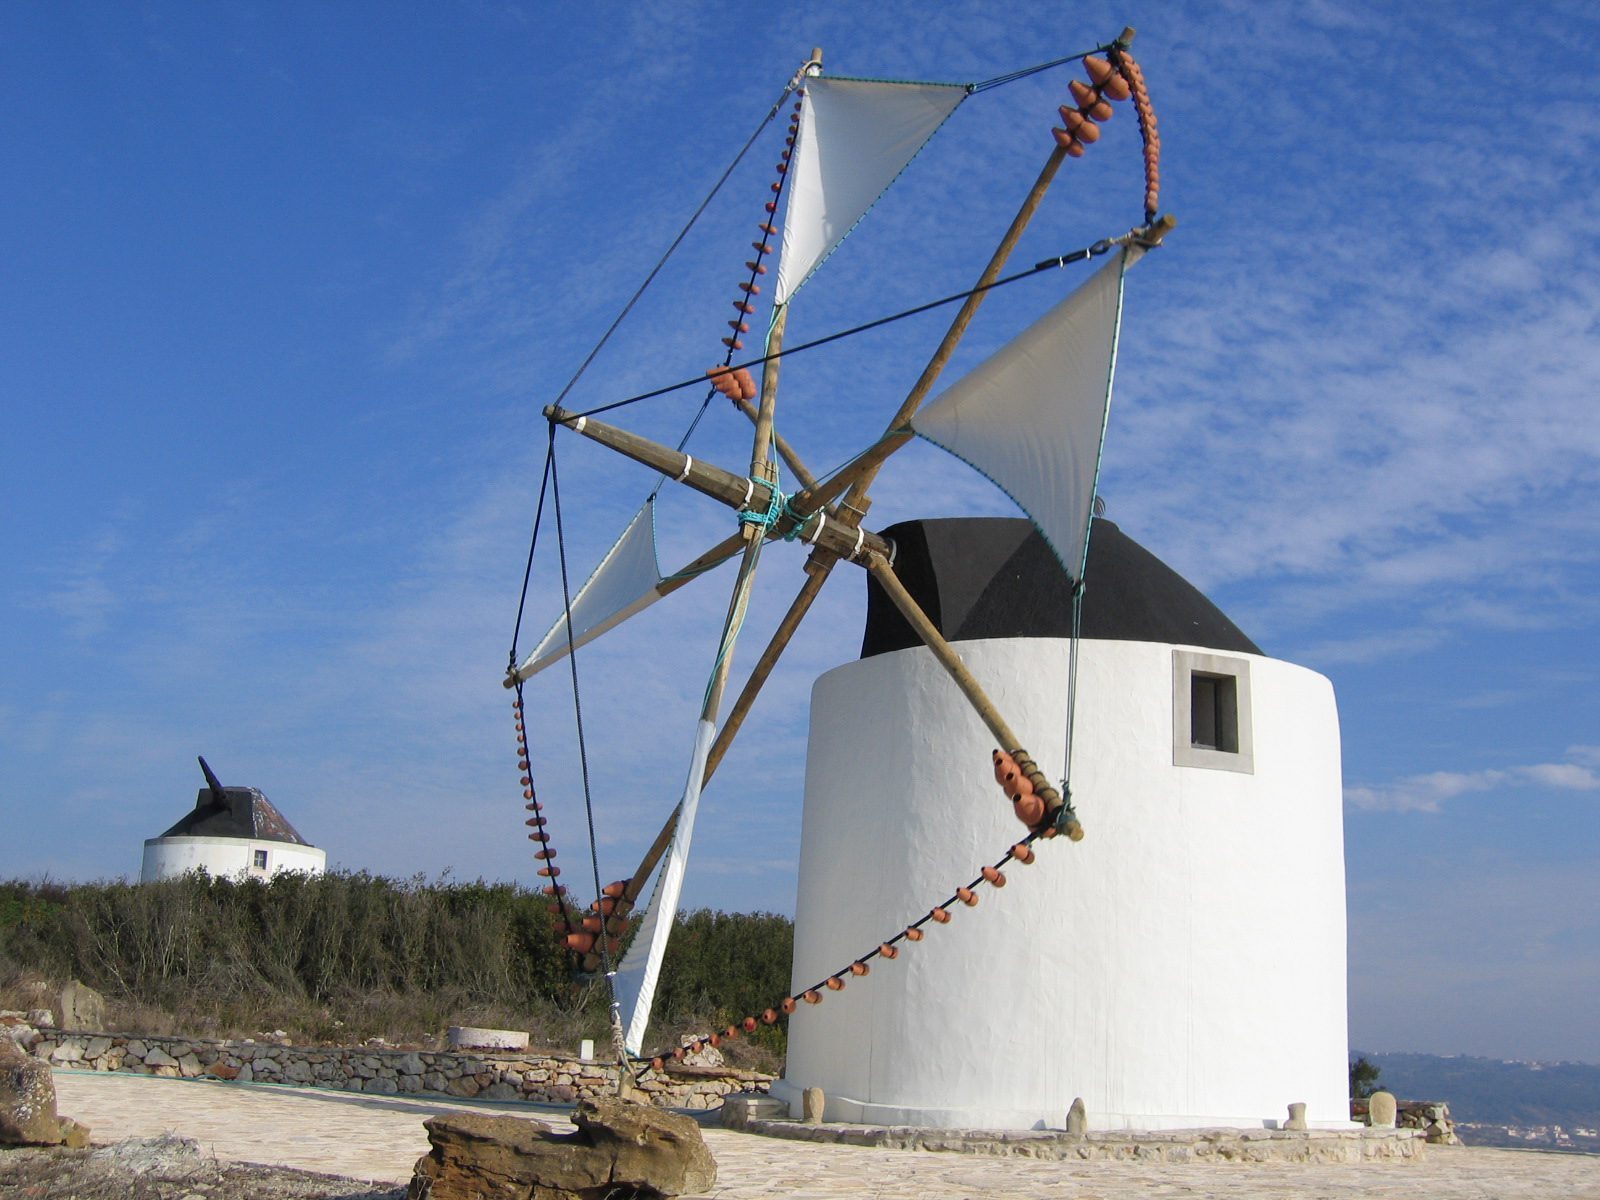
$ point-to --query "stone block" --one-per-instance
(1297, 1116)
(739, 1109)
(472, 1037)
(189, 1065)
(1078, 1118)
(1381, 1110)
(813, 1104)
(80, 1007)
(70, 1050)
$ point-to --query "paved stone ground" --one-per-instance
(380, 1137)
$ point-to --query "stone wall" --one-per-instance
(523, 1075)
(1430, 1116)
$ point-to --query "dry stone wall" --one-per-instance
(523, 1075)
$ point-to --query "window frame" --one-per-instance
(1186, 666)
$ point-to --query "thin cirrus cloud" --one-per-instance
(1430, 792)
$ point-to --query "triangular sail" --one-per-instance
(856, 136)
(634, 986)
(627, 580)
(1032, 417)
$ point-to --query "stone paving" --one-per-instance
(380, 1138)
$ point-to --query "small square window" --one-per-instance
(1211, 722)
(261, 860)
(1214, 712)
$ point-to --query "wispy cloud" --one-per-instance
(1431, 791)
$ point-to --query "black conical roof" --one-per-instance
(240, 812)
(996, 577)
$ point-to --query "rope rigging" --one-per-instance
(967, 895)
(1061, 260)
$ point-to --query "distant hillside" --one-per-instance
(1526, 1100)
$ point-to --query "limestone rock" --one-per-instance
(617, 1147)
(80, 1008)
(166, 1156)
(1078, 1118)
(1381, 1110)
(28, 1103)
(707, 1056)
(74, 1134)
(1297, 1116)
(812, 1105)
(661, 1150)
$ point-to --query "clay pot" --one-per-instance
(1028, 809)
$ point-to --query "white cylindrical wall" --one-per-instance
(226, 857)
(1182, 966)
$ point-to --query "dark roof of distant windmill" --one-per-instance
(241, 812)
(996, 577)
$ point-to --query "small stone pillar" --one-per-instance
(813, 1103)
(1381, 1110)
(1297, 1116)
(1077, 1118)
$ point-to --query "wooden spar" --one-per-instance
(816, 576)
(788, 452)
(817, 568)
(966, 681)
(765, 437)
(733, 490)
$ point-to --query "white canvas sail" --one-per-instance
(626, 581)
(856, 136)
(634, 986)
(1032, 416)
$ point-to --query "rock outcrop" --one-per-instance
(28, 1103)
(619, 1150)
(79, 1006)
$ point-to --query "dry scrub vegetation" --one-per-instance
(343, 957)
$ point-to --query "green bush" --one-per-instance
(343, 956)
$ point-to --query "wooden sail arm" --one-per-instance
(818, 567)
(788, 453)
(1055, 807)
(736, 491)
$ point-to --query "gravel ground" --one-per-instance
(165, 1168)
(351, 1136)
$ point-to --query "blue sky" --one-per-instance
(286, 286)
